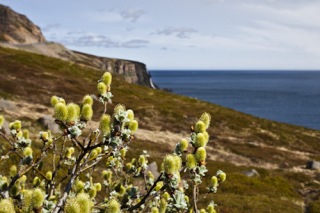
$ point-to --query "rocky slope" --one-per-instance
(18, 32)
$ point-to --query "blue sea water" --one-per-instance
(286, 96)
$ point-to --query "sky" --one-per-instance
(185, 34)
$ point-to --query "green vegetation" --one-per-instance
(277, 151)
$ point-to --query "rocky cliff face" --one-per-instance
(18, 29)
(18, 32)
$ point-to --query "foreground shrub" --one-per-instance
(66, 183)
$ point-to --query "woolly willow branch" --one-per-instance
(143, 200)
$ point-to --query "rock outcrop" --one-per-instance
(18, 29)
(18, 32)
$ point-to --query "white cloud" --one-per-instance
(132, 14)
(180, 32)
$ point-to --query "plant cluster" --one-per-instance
(59, 174)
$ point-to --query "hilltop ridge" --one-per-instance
(18, 32)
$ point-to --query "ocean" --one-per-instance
(291, 97)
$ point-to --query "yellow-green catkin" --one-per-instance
(206, 119)
(159, 185)
(133, 126)
(118, 108)
(130, 114)
(6, 206)
(201, 155)
(170, 164)
(98, 186)
(107, 174)
(38, 198)
(36, 181)
(102, 88)
(86, 112)
(178, 162)
(221, 176)
(210, 208)
(25, 133)
(107, 78)
(15, 125)
(123, 153)
(184, 145)
(203, 211)
(200, 127)
(49, 175)
(1, 120)
(69, 152)
(72, 114)
(214, 181)
(60, 111)
(79, 186)
(104, 125)
(113, 206)
(27, 152)
(154, 210)
(87, 99)
(200, 140)
(27, 200)
(72, 206)
(163, 205)
(191, 161)
(85, 204)
(54, 100)
(13, 171)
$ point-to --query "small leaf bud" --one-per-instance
(87, 99)
(201, 155)
(107, 78)
(86, 112)
(200, 127)
(102, 88)
(60, 111)
(191, 161)
(184, 145)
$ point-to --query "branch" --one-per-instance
(143, 200)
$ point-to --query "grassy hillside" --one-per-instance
(239, 142)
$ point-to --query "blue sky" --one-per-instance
(185, 34)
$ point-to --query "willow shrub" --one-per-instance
(66, 184)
